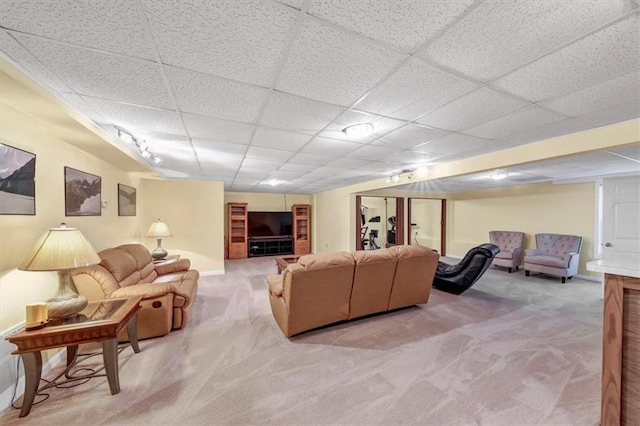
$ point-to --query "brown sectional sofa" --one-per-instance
(321, 289)
(169, 288)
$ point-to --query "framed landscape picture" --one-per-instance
(126, 200)
(17, 181)
(82, 193)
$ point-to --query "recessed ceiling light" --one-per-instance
(358, 130)
(498, 176)
(272, 182)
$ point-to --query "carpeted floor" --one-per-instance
(513, 350)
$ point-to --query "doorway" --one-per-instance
(380, 222)
(427, 219)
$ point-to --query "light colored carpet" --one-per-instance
(510, 351)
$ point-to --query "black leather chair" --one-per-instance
(459, 277)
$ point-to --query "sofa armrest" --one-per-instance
(532, 252)
(170, 267)
(569, 257)
(276, 284)
(148, 290)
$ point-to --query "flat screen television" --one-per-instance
(269, 224)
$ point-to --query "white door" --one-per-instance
(621, 220)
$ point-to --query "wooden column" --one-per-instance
(621, 351)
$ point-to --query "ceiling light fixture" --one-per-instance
(272, 182)
(143, 146)
(498, 176)
(358, 130)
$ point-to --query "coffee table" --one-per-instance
(100, 321)
(283, 261)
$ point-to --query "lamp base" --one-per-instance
(159, 253)
(66, 306)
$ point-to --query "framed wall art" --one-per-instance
(126, 200)
(82, 193)
(17, 181)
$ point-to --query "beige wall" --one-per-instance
(18, 233)
(541, 208)
(194, 211)
(425, 213)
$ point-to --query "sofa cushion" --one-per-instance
(318, 261)
(372, 281)
(553, 261)
(139, 252)
(121, 265)
(504, 255)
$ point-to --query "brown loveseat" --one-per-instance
(325, 288)
(169, 288)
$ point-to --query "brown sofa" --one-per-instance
(169, 288)
(321, 289)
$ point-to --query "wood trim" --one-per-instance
(409, 230)
(399, 220)
(621, 346)
(443, 227)
(358, 239)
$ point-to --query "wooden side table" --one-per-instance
(100, 321)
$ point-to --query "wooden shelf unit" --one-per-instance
(237, 231)
(301, 228)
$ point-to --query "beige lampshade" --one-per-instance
(59, 249)
(159, 229)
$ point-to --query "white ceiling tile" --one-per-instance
(472, 109)
(348, 163)
(212, 37)
(409, 136)
(451, 143)
(522, 120)
(36, 70)
(409, 92)
(310, 159)
(96, 74)
(406, 25)
(78, 104)
(329, 147)
(204, 94)
(558, 128)
(293, 167)
(279, 139)
(260, 153)
(257, 165)
(289, 112)
(176, 153)
(334, 66)
(297, 4)
(599, 57)
(136, 118)
(204, 127)
(632, 151)
(621, 90)
(221, 153)
(410, 158)
(615, 114)
(286, 175)
(371, 152)
(499, 37)
(111, 25)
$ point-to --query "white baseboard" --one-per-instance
(209, 273)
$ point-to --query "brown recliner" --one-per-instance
(168, 289)
(325, 288)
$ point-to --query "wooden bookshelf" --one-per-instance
(301, 228)
(237, 231)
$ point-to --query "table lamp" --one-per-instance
(159, 229)
(62, 249)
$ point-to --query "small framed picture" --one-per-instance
(126, 200)
(82, 193)
(17, 181)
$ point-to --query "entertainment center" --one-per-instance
(268, 233)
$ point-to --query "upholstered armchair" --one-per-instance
(511, 251)
(556, 254)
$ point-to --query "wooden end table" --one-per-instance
(283, 261)
(100, 321)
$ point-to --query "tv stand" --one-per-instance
(271, 246)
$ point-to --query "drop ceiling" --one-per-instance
(250, 91)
